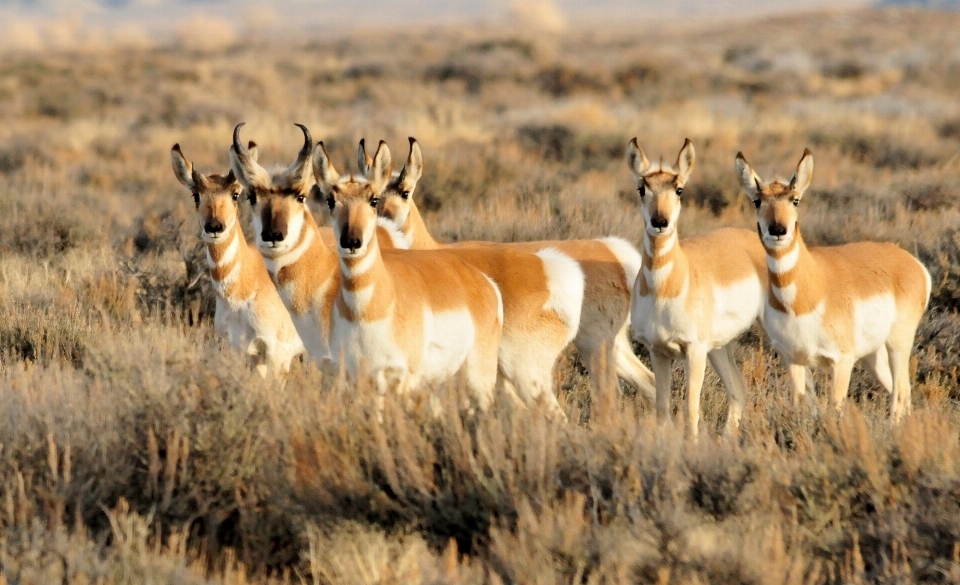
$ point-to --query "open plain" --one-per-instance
(136, 448)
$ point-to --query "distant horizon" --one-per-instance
(33, 25)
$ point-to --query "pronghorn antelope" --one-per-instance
(249, 311)
(694, 297)
(404, 319)
(833, 305)
(304, 270)
(609, 267)
(542, 299)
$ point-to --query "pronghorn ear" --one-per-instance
(381, 168)
(254, 150)
(364, 162)
(413, 169)
(244, 164)
(636, 160)
(182, 168)
(749, 181)
(323, 169)
(804, 176)
(685, 161)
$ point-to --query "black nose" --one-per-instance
(349, 242)
(658, 222)
(778, 230)
(213, 227)
(271, 236)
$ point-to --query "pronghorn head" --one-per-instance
(397, 198)
(278, 197)
(776, 201)
(215, 196)
(353, 199)
(660, 186)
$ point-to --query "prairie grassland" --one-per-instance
(135, 449)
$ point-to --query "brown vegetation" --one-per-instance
(135, 448)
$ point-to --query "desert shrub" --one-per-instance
(471, 76)
(561, 81)
(43, 332)
(41, 229)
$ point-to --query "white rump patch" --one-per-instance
(565, 282)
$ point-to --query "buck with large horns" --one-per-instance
(693, 297)
(405, 319)
(830, 306)
(305, 271)
(249, 312)
(609, 266)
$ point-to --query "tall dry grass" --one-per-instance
(135, 448)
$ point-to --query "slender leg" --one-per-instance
(900, 399)
(878, 363)
(842, 369)
(631, 369)
(798, 381)
(696, 365)
(663, 372)
(725, 364)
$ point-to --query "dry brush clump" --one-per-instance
(135, 447)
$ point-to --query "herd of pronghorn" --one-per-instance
(378, 299)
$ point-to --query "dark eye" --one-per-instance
(374, 201)
(642, 189)
(405, 194)
(756, 203)
(252, 198)
(796, 202)
(331, 202)
(236, 196)
(679, 191)
(301, 198)
(196, 199)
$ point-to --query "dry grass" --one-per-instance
(134, 448)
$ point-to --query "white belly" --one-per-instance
(735, 309)
(448, 339)
(873, 319)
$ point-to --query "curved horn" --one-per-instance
(244, 164)
(300, 172)
(307, 148)
(236, 136)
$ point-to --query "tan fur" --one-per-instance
(249, 310)
(305, 272)
(404, 289)
(693, 297)
(839, 297)
(601, 335)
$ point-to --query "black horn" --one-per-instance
(307, 149)
(238, 147)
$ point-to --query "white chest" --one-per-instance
(232, 321)
(662, 323)
(801, 339)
